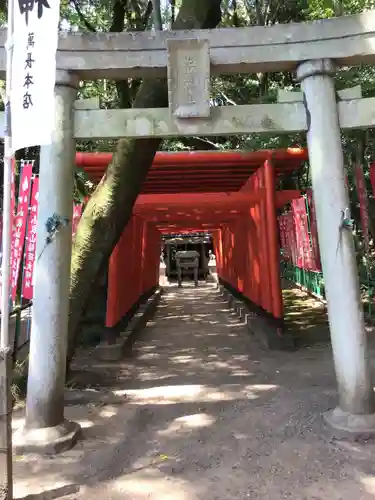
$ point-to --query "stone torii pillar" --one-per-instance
(355, 413)
(45, 429)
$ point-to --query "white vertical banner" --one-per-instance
(35, 38)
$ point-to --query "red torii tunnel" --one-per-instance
(232, 195)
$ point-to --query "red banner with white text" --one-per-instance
(24, 224)
(302, 234)
(12, 204)
(12, 189)
(315, 252)
(19, 226)
(30, 246)
(299, 244)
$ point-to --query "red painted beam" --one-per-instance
(152, 203)
(188, 231)
(164, 202)
(202, 168)
(205, 226)
(188, 225)
(191, 221)
(183, 181)
(190, 215)
(187, 190)
(194, 183)
(218, 186)
(184, 176)
(205, 157)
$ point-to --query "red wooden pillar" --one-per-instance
(113, 297)
(239, 227)
(222, 253)
(257, 254)
(230, 256)
(265, 289)
(218, 250)
(251, 248)
(150, 257)
(255, 247)
(251, 258)
(226, 249)
(273, 240)
(154, 247)
(136, 262)
(235, 255)
(145, 258)
(120, 296)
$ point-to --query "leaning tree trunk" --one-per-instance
(110, 207)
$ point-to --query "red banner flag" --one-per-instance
(283, 245)
(29, 263)
(291, 232)
(18, 236)
(302, 233)
(284, 240)
(77, 212)
(287, 236)
(12, 189)
(315, 252)
(12, 204)
(362, 198)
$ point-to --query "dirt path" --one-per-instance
(200, 412)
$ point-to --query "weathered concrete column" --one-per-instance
(45, 429)
(354, 415)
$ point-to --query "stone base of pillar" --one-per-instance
(47, 440)
(346, 426)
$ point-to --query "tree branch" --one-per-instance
(82, 17)
(173, 10)
(118, 17)
(147, 14)
(158, 23)
(117, 26)
(236, 22)
(227, 99)
(200, 143)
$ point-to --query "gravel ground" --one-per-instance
(200, 411)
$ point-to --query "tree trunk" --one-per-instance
(110, 207)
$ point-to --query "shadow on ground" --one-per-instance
(200, 411)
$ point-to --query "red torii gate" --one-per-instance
(231, 194)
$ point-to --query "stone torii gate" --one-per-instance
(317, 50)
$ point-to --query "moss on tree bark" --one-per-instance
(110, 206)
